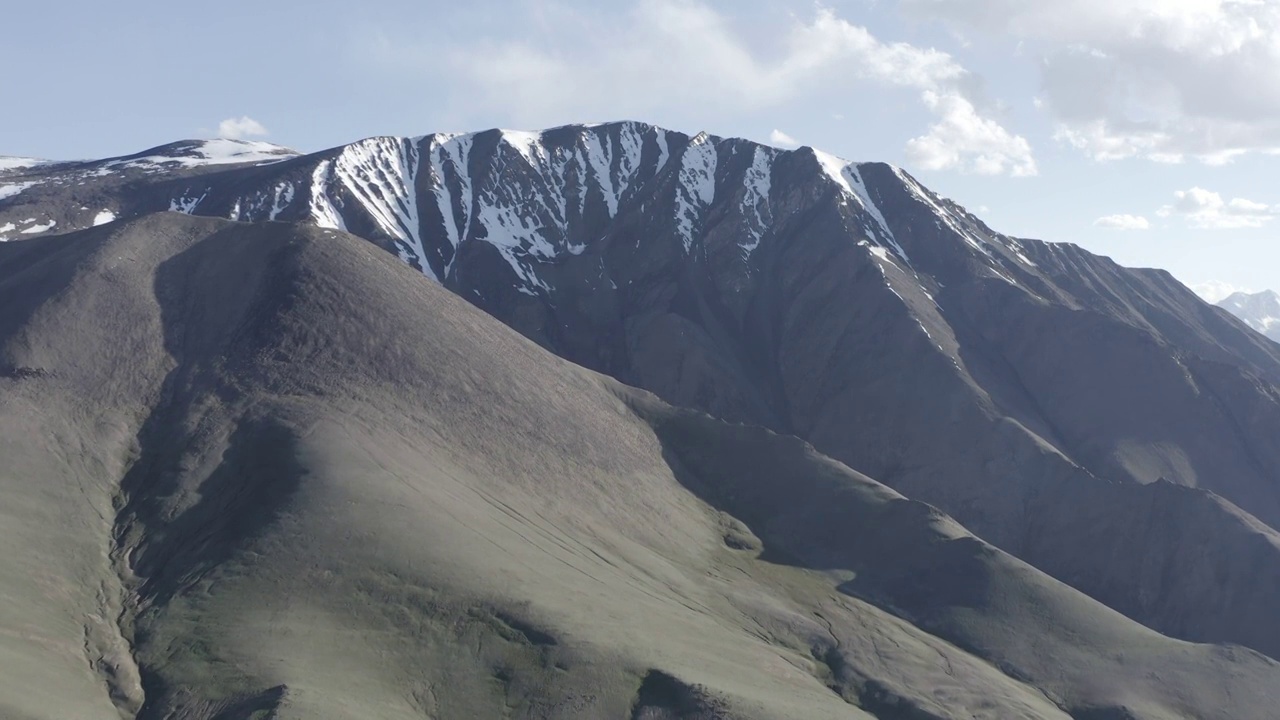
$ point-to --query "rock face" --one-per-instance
(1099, 423)
(1260, 311)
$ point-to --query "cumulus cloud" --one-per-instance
(1208, 210)
(965, 140)
(1216, 291)
(607, 63)
(783, 140)
(1123, 222)
(1134, 78)
(234, 128)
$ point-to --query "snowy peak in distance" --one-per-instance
(1260, 311)
(196, 153)
(182, 154)
(9, 163)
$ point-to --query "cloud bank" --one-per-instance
(1166, 80)
(655, 54)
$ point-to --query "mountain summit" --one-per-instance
(1261, 311)
(875, 423)
(534, 197)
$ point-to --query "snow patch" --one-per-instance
(224, 151)
(528, 144)
(283, 197)
(203, 153)
(697, 188)
(602, 153)
(186, 203)
(631, 149)
(450, 154)
(528, 218)
(664, 151)
(598, 159)
(859, 189)
(849, 178)
(757, 183)
(36, 229)
(381, 173)
(834, 168)
(103, 217)
(320, 206)
(10, 190)
(518, 218)
(19, 163)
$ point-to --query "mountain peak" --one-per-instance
(536, 197)
(1245, 296)
(1259, 310)
(216, 151)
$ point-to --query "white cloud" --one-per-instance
(702, 57)
(964, 140)
(589, 64)
(783, 140)
(1135, 78)
(1123, 222)
(1204, 209)
(239, 128)
(1216, 291)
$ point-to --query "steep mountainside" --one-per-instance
(1098, 422)
(268, 471)
(1261, 311)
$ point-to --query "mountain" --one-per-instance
(267, 470)
(1100, 424)
(1260, 311)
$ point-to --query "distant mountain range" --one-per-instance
(1261, 311)
(825, 444)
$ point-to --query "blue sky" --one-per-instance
(1142, 130)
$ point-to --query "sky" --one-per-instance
(1145, 130)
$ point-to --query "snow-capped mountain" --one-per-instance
(534, 197)
(1261, 311)
(1032, 390)
(65, 196)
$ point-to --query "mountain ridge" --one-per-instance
(305, 497)
(611, 154)
(1031, 390)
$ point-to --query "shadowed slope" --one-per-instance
(1012, 383)
(268, 469)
